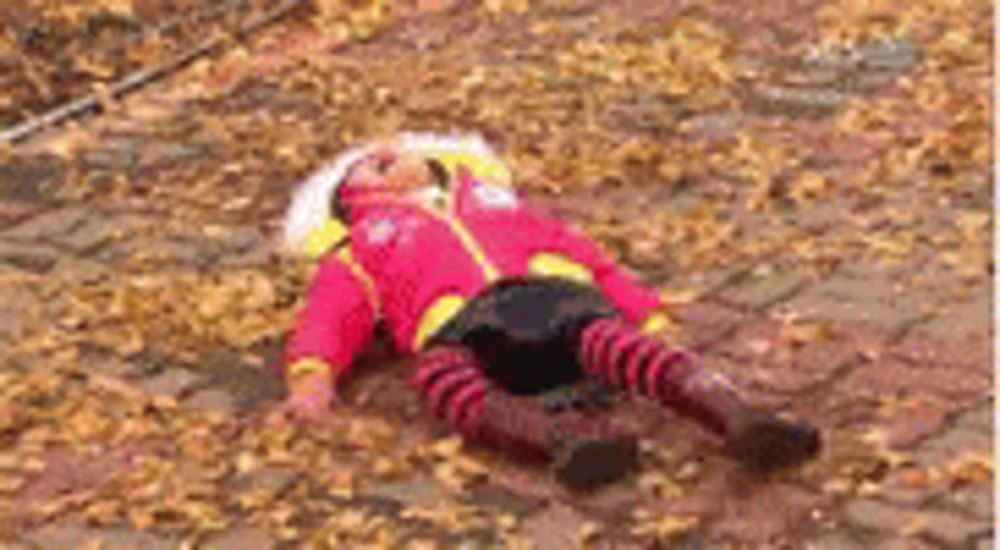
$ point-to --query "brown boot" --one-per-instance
(616, 353)
(756, 438)
(585, 451)
(764, 442)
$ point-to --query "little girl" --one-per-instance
(424, 234)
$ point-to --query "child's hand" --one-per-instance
(311, 391)
(308, 407)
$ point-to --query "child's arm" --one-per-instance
(336, 323)
(638, 303)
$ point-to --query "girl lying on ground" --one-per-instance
(423, 234)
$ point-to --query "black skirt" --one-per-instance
(525, 331)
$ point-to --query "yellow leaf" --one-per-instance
(913, 526)
(971, 469)
(666, 528)
(588, 531)
(447, 448)
(10, 484)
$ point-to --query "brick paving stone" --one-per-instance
(613, 502)
(966, 438)
(528, 482)
(903, 543)
(212, 399)
(958, 440)
(912, 402)
(760, 513)
(255, 256)
(28, 178)
(915, 423)
(864, 295)
(172, 382)
(416, 491)
(118, 153)
(81, 270)
(488, 495)
(168, 253)
(129, 539)
(830, 541)
(951, 529)
(778, 100)
(241, 538)
(899, 486)
(704, 282)
(971, 358)
(13, 305)
(813, 303)
(791, 357)
(944, 527)
(61, 536)
(267, 481)
(980, 417)
(239, 239)
(876, 516)
(764, 287)
(49, 224)
(243, 247)
(702, 323)
(840, 410)
(888, 376)
(911, 487)
(96, 229)
(965, 319)
(74, 536)
(770, 515)
(246, 385)
(975, 500)
(556, 527)
(821, 216)
(13, 212)
(34, 258)
(107, 364)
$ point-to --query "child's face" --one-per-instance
(390, 170)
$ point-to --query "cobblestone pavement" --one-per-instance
(142, 297)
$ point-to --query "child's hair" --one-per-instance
(314, 201)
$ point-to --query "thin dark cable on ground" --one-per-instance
(141, 77)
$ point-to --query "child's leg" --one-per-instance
(453, 385)
(618, 354)
(586, 451)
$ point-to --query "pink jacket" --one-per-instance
(404, 256)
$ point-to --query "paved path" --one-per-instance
(820, 216)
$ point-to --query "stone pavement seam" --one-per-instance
(904, 330)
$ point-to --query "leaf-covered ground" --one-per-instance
(807, 181)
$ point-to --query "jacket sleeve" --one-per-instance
(635, 301)
(338, 319)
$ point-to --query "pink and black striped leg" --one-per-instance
(586, 451)
(454, 387)
(618, 354)
(452, 383)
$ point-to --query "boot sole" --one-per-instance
(772, 444)
(589, 464)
